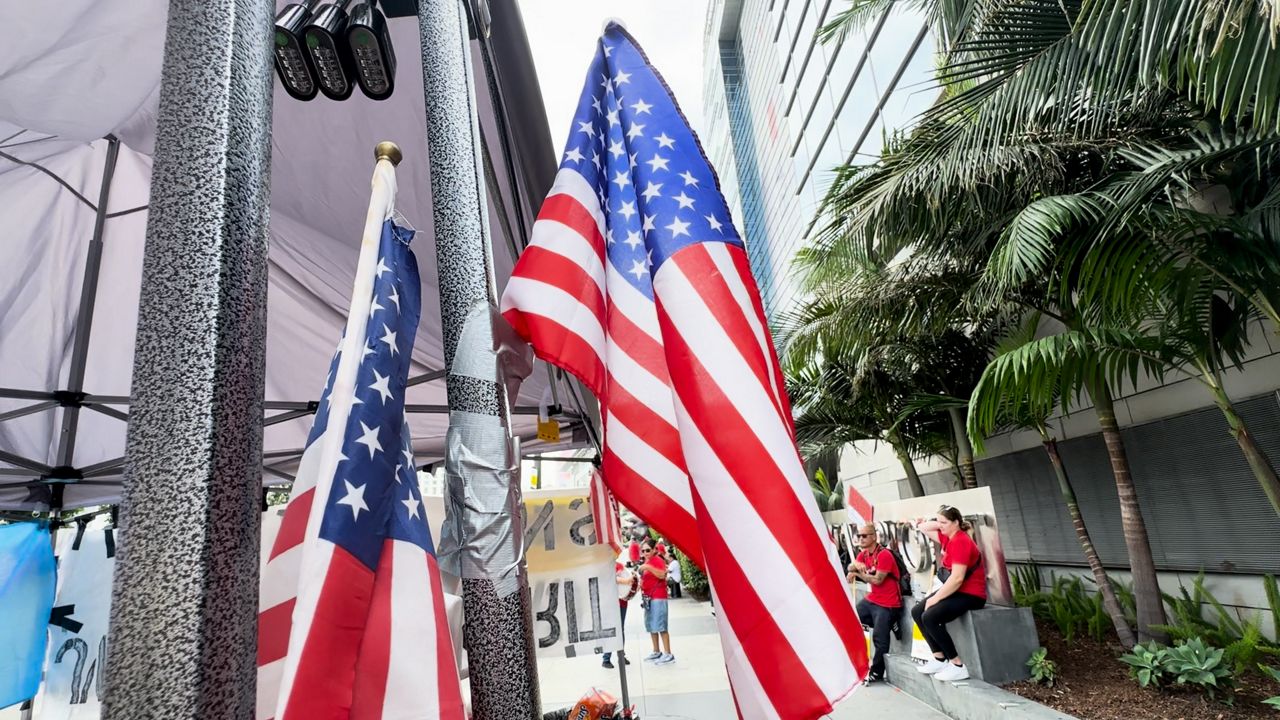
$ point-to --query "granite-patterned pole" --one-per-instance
(481, 540)
(184, 622)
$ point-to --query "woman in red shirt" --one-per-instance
(964, 588)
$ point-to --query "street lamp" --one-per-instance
(370, 42)
(293, 65)
(326, 44)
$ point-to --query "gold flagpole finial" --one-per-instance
(389, 150)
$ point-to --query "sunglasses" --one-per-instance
(862, 535)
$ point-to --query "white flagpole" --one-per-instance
(312, 573)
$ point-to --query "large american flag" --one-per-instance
(637, 282)
(352, 621)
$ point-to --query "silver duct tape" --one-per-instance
(479, 538)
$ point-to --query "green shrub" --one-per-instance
(1243, 643)
(1250, 650)
(692, 579)
(1025, 582)
(1147, 664)
(1275, 675)
(1194, 663)
(1043, 670)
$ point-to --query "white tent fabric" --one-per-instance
(76, 71)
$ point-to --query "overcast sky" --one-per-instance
(563, 35)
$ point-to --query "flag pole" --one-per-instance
(482, 537)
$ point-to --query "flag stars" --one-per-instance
(612, 115)
(638, 269)
(608, 50)
(651, 191)
(374, 307)
(411, 505)
(606, 83)
(395, 298)
(382, 385)
(370, 439)
(636, 130)
(678, 227)
(641, 107)
(633, 240)
(665, 142)
(689, 179)
(608, 237)
(616, 149)
(354, 499)
(621, 78)
(595, 158)
(628, 210)
(715, 224)
(657, 163)
(686, 202)
(622, 178)
(382, 267)
(587, 128)
(575, 155)
(389, 338)
(648, 223)
(595, 103)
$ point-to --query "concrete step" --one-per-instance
(970, 699)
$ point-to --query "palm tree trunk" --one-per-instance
(964, 450)
(913, 477)
(1261, 465)
(1146, 588)
(1109, 600)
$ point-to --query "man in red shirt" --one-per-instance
(882, 606)
(653, 587)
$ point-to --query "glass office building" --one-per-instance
(782, 110)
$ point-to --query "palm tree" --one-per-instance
(1014, 410)
(1040, 99)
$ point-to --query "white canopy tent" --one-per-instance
(79, 85)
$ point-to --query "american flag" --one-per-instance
(351, 615)
(637, 282)
(604, 513)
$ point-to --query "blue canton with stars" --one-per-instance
(375, 492)
(632, 144)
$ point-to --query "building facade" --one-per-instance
(783, 110)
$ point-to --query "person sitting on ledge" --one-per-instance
(964, 588)
(880, 609)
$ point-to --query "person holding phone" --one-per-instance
(964, 588)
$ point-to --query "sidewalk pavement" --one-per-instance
(695, 686)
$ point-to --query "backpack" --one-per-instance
(904, 575)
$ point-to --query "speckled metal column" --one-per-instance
(185, 598)
(498, 632)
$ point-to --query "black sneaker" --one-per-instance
(873, 678)
(626, 661)
(607, 664)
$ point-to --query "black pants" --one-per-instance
(673, 588)
(933, 622)
(622, 631)
(880, 619)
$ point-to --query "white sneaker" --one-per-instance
(952, 673)
(665, 659)
(933, 666)
(652, 656)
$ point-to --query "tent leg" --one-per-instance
(482, 542)
(184, 606)
(84, 318)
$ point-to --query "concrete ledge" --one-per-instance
(970, 699)
(994, 642)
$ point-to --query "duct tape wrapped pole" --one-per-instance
(482, 537)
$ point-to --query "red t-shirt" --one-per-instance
(962, 550)
(650, 585)
(634, 551)
(885, 594)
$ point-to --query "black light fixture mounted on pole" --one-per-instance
(370, 43)
(293, 63)
(326, 43)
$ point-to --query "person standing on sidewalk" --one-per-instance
(881, 607)
(673, 575)
(964, 588)
(628, 585)
(653, 590)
